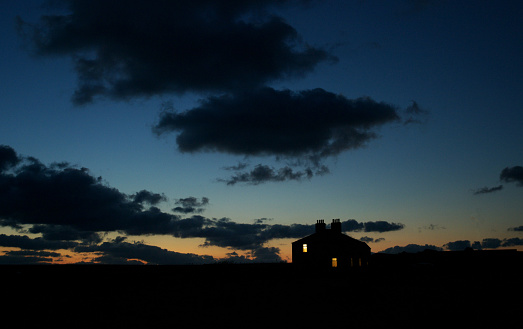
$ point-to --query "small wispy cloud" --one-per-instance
(486, 189)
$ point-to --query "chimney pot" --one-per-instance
(336, 225)
(320, 226)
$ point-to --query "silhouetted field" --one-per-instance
(392, 292)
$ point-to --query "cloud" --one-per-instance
(191, 205)
(119, 251)
(302, 127)
(258, 255)
(231, 49)
(457, 245)
(144, 48)
(414, 114)
(145, 196)
(224, 232)
(25, 242)
(369, 239)
(261, 220)
(67, 196)
(266, 255)
(488, 243)
(313, 123)
(279, 231)
(352, 225)
(8, 157)
(508, 175)
(411, 248)
(512, 242)
(431, 227)
(486, 189)
(491, 243)
(17, 259)
(382, 226)
(513, 174)
(72, 209)
(65, 233)
(238, 167)
(25, 253)
(517, 229)
(263, 173)
(69, 204)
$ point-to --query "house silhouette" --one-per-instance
(330, 248)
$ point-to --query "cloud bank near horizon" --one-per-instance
(72, 209)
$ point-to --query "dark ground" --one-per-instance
(392, 292)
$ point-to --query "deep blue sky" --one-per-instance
(457, 64)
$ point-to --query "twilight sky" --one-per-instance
(175, 132)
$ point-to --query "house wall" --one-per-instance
(321, 254)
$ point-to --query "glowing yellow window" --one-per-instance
(335, 262)
(359, 262)
(304, 247)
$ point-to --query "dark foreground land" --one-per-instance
(394, 291)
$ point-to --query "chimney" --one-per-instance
(320, 226)
(336, 226)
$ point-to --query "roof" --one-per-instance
(328, 236)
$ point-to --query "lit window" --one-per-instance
(304, 247)
(359, 262)
(335, 262)
(351, 262)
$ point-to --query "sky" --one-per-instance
(190, 132)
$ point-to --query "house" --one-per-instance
(329, 248)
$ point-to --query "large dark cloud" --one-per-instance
(143, 48)
(512, 174)
(51, 195)
(311, 123)
(302, 127)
